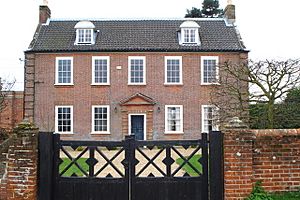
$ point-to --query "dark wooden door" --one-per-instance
(137, 126)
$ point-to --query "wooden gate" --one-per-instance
(131, 169)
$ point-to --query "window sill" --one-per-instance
(100, 84)
(65, 134)
(137, 84)
(210, 84)
(84, 43)
(100, 133)
(173, 84)
(63, 85)
(174, 133)
(190, 44)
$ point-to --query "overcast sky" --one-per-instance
(269, 28)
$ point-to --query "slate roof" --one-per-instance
(137, 35)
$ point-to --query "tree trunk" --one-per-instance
(271, 114)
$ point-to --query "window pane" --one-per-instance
(64, 71)
(173, 71)
(136, 70)
(88, 35)
(85, 35)
(192, 36)
(101, 71)
(189, 36)
(209, 71)
(186, 36)
(80, 35)
(173, 119)
(100, 119)
(64, 117)
(209, 119)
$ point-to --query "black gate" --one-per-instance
(131, 169)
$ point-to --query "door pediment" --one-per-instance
(137, 99)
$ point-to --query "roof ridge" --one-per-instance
(137, 19)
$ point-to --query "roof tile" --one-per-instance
(137, 35)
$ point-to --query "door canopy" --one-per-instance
(137, 99)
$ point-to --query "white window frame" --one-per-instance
(93, 119)
(129, 69)
(215, 127)
(107, 58)
(180, 69)
(202, 69)
(182, 36)
(166, 119)
(85, 42)
(56, 70)
(189, 30)
(56, 118)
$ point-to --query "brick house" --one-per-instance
(104, 79)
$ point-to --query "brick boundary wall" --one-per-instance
(20, 181)
(270, 156)
(4, 146)
(12, 114)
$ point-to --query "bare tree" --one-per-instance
(5, 87)
(254, 82)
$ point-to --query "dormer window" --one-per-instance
(85, 36)
(85, 33)
(189, 33)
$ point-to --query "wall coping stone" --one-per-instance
(25, 128)
(276, 132)
(235, 123)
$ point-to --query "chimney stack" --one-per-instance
(229, 12)
(45, 13)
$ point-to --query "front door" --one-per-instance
(137, 126)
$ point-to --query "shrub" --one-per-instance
(258, 193)
(286, 195)
(3, 135)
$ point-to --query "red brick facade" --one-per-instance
(13, 112)
(270, 156)
(40, 73)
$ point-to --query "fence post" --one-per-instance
(205, 165)
(55, 167)
(216, 166)
(45, 147)
(130, 156)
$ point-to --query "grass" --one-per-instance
(194, 162)
(73, 169)
(286, 196)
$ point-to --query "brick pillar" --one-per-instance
(22, 164)
(238, 160)
(29, 86)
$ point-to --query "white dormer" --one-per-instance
(85, 33)
(189, 33)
